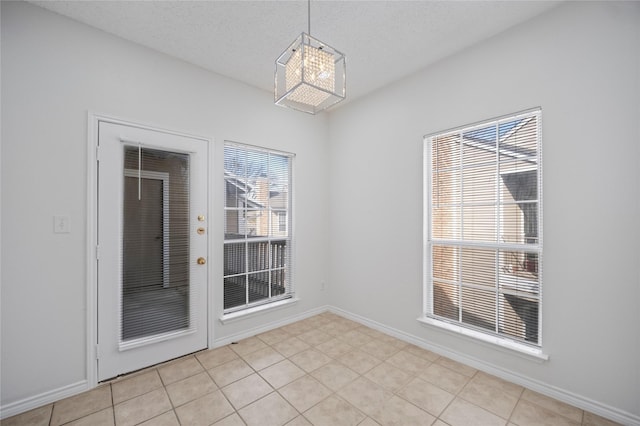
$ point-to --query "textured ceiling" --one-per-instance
(383, 40)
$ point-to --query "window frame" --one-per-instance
(270, 302)
(457, 326)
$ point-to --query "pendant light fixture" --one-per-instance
(310, 75)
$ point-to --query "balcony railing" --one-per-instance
(253, 270)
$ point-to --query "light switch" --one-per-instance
(61, 225)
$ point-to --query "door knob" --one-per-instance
(201, 261)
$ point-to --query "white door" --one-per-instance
(152, 247)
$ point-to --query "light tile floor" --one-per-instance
(324, 370)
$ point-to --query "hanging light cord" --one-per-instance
(309, 17)
(139, 171)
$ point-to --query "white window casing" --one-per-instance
(483, 231)
(258, 242)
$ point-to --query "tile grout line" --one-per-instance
(113, 403)
(51, 414)
(337, 330)
(513, 410)
(173, 407)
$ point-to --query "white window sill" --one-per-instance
(520, 349)
(257, 310)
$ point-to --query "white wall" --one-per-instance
(53, 71)
(581, 64)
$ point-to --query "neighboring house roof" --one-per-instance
(245, 190)
(485, 138)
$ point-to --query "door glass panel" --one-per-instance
(155, 252)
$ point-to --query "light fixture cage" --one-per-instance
(310, 75)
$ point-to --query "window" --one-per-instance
(282, 221)
(257, 233)
(483, 228)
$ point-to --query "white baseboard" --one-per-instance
(267, 327)
(579, 401)
(27, 404)
(44, 398)
(567, 397)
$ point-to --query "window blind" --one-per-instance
(258, 237)
(156, 289)
(483, 242)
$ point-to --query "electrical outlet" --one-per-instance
(61, 225)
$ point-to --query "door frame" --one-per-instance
(164, 178)
(93, 120)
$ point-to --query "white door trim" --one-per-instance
(92, 251)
